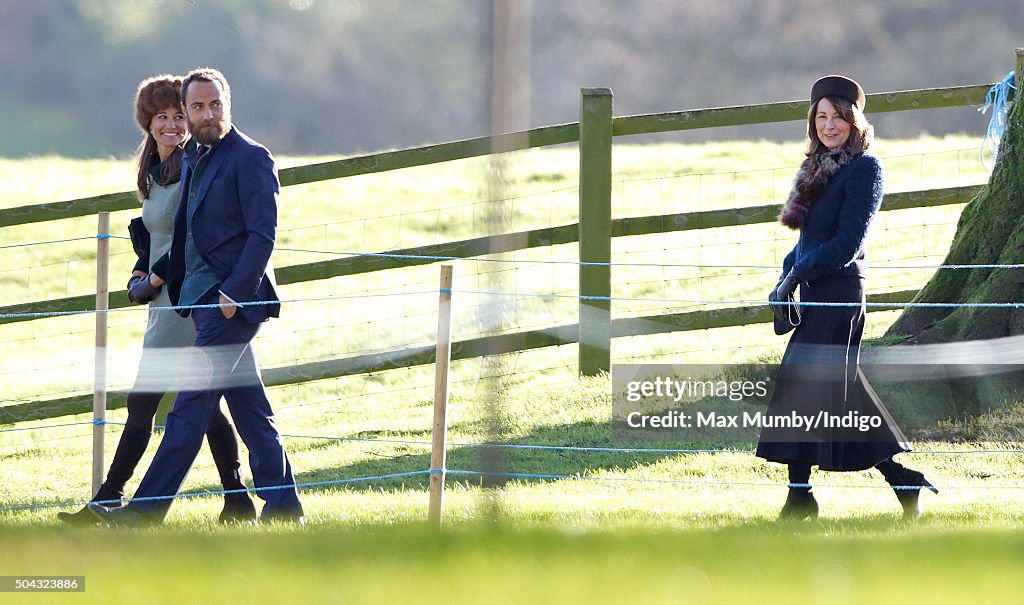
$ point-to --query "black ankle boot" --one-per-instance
(81, 518)
(800, 504)
(907, 484)
(109, 496)
(130, 449)
(238, 506)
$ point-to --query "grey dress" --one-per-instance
(165, 328)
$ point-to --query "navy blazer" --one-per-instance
(234, 226)
(832, 237)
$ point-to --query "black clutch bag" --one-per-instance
(790, 318)
(140, 237)
(786, 317)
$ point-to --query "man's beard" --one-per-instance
(209, 132)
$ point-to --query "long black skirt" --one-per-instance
(823, 411)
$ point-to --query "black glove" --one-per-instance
(783, 293)
(141, 290)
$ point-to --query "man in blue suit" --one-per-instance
(224, 234)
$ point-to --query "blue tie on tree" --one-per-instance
(996, 98)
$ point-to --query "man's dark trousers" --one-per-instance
(225, 345)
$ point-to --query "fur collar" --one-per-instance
(810, 183)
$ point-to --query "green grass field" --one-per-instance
(610, 526)
(394, 309)
(842, 564)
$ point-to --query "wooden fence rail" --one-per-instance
(927, 98)
(508, 242)
(597, 129)
(476, 347)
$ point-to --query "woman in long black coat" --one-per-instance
(837, 192)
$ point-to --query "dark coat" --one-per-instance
(234, 225)
(832, 238)
(820, 369)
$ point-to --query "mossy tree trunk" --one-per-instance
(991, 232)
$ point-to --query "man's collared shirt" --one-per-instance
(199, 277)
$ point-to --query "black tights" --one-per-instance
(134, 440)
(800, 474)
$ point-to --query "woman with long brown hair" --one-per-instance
(160, 116)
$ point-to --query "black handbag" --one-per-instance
(785, 317)
(140, 237)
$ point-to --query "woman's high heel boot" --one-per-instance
(800, 504)
(907, 484)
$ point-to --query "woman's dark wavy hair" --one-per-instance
(153, 95)
(862, 133)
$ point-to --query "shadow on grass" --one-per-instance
(463, 457)
(913, 404)
(1004, 418)
(541, 464)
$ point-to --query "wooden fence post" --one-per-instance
(595, 324)
(99, 396)
(1018, 73)
(439, 432)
